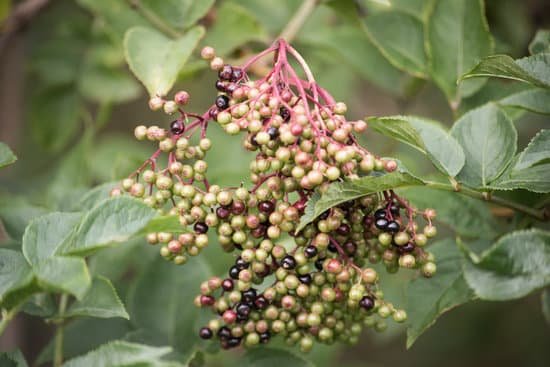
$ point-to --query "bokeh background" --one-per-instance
(68, 106)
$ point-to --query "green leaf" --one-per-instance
(101, 301)
(95, 196)
(341, 192)
(234, 26)
(53, 116)
(457, 37)
(120, 354)
(165, 223)
(516, 265)
(271, 357)
(489, 140)
(468, 217)
(425, 135)
(6, 155)
(115, 220)
(531, 70)
(545, 304)
(63, 274)
(399, 128)
(533, 100)
(41, 305)
(168, 289)
(105, 84)
(15, 273)
(531, 170)
(541, 42)
(427, 299)
(16, 213)
(155, 59)
(13, 359)
(179, 13)
(45, 235)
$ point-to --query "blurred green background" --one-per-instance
(68, 106)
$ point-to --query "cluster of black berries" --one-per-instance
(315, 284)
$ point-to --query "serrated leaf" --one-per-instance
(162, 286)
(532, 70)
(400, 38)
(427, 136)
(531, 170)
(105, 84)
(234, 27)
(427, 299)
(271, 357)
(13, 359)
(6, 155)
(468, 217)
(115, 220)
(120, 354)
(399, 128)
(15, 273)
(179, 13)
(155, 59)
(44, 235)
(165, 223)
(516, 265)
(488, 138)
(95, 196)
(541, 42)
(457, 37)
(63, 274)
(101, 301)
(533, 100)
(341, 192)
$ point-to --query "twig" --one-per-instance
(58, 346)
(298, 20)
(19, 18)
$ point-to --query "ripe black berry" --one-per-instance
(324, 215)
(288, 262)
(264, 337)
(226, 72)
(261, 302)
(224, 332)
(367, 303)
(227, 285)
(200, 227)
(380, 213)
(343, 230)
(310, 251)
(237, 74)
(266, 207)
(273, 132)
(306, 279)
(233, 342)
(319, 264)
(177, 127)
(222, 102)
(381, 223)
(408, 247)
(392, 227)
(285, 114)
(234, 272)
(394, 209)
(249, 295)
(243, 309)
(220, 85)
(205, 333)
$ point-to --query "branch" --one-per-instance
(19, 18)
(542, 215)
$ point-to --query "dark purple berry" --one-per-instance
(237, 74)
(200, 227)
(227, 285)
(222, 102)
(367, 302)
(205, 333)
(288, 262)
(381, 223)
(343, 230)
(310, 251)
(241, 264)
(226, 72)
(324, 215)
(234, 272)
(408, 247)
(243, 309)
(379, 214)
(220, 85)
(224, 332)
(223, 212)
(177, 127)
(285, 114)
(394, 209)
(332, 247)
(266, 207)
(392, 227)
(238, 207)
(350, 248)
(319, 264)
(264, 337)
(231, 87)
(273, 132)
(259, 231)
(233, 342)
(306, 279)
(249, 295)
(261, 302)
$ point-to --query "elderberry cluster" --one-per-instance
(311, 285)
